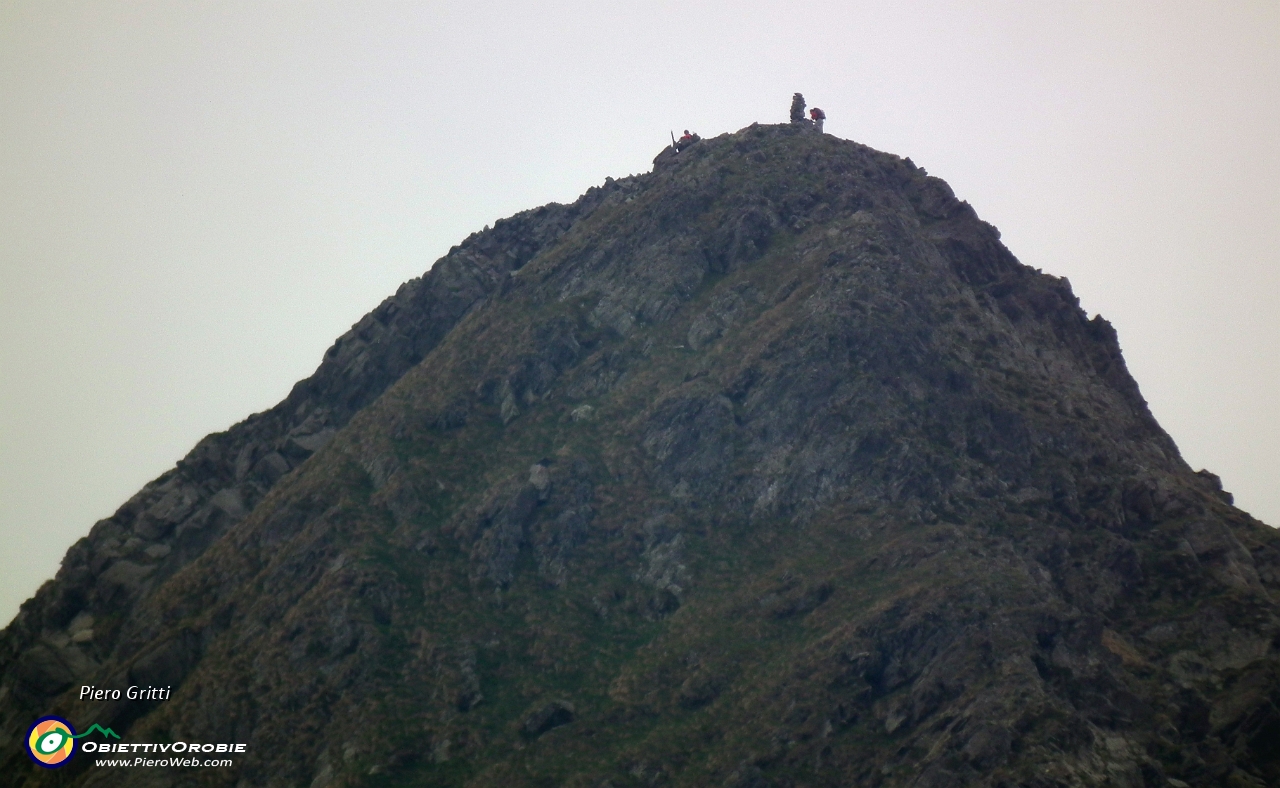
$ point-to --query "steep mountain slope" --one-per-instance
(772, 467)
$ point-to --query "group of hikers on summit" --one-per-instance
(816, 116)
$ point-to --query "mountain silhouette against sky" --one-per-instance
(769, 468)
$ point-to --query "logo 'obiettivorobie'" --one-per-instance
(52, 740)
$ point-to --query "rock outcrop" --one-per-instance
(772, 467)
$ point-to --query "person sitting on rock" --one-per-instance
(686, 140)
(817, 116)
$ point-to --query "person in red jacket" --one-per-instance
(817, 116)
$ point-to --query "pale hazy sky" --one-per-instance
(197, 197)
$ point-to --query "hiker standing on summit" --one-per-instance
(817, 116)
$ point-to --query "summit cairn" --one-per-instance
(797, 110)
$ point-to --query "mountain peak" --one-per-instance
(771, 467)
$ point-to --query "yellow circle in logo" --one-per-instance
(50, 742)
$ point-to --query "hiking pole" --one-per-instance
(673, 143)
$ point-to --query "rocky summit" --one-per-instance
(769, 468)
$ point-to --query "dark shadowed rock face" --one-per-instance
(772, 467)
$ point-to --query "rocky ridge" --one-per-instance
(772, 467)
(61, 634)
